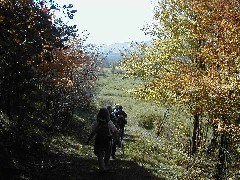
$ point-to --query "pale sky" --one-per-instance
(112, 21)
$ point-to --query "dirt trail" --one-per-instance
(73, 166)
(86, 168)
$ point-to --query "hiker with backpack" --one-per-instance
(103, 129)
(121, 120)
(116, 136)
(116, 109)
(112, 116)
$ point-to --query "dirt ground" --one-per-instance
(67, 166)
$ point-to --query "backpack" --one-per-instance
(103, 134)
(121, 120)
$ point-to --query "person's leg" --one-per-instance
(107, 151)
(114, 145)
(100, 155)
(114, 148)
(122, 133)
(101, 163)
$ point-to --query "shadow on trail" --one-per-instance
(72, 168)
(128, 170)
(77, 168)
(38, 163)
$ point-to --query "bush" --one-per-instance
(148, 120)
(4, 123)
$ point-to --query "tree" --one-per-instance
(69, 80)
(46, 73)
(193, 63)
(28, 36)
(26, 31)
(219, 20)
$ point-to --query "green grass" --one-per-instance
(155, 148)
(159, 145)
(158, 155)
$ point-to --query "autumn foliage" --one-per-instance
(193, 63)
(46, 75)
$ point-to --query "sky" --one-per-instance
(112, 21)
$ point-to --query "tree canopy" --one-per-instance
(46, 70)
(193, 62)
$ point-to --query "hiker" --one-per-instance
(116, 109)
(121, 120)
(116, 136)
(102, 129)
(112, 115)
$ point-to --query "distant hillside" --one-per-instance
(116, 47)
(113, 52)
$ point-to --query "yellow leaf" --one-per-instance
(2, 18)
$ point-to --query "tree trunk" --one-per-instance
(222, 169)
(213, 144)
(195, 133)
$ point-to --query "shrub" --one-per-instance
(4, 123)
(148, 120)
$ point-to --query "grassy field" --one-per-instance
(154, 145)
(150, 139)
